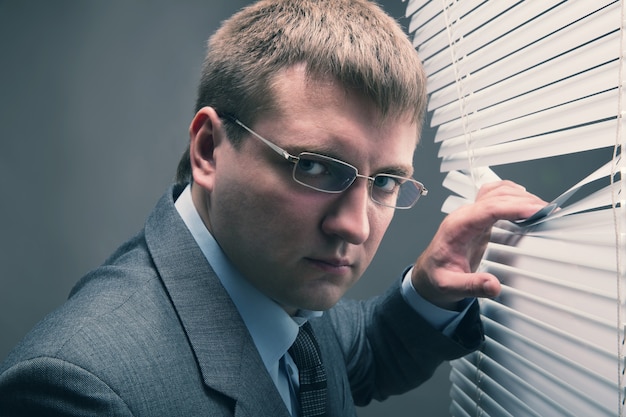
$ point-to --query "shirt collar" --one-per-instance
(272, 329)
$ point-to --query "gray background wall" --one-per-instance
(95, 101)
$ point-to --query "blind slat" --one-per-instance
(480, 41)
(529, 318)
(496, 105)
(586, 224)
(462, 387)
(534, 334)
(540, 400)
(427, 10)
(512, 121)
(571, 321)
(601, 198)
(586, 298)
(549, 144)
(578, 275)
(506, 364)
(580, 253)
(465, 187)
(485, 91)
(594, 390)
(504, 387)
(598, 371)
(457, 411)
(529, 44)
(436, 41)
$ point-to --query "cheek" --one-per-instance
(378, 227)
(379, 223)
(380, 218)
(261, 205)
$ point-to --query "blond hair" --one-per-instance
(352, 41)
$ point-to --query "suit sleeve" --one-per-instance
(46, 386)
(390, 349)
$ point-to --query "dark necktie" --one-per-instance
(305, 352)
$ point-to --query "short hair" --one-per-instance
(352, 41)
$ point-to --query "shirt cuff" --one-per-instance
(446, 321)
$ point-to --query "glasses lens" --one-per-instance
(394, 191)
(332, 175)
(323, 173)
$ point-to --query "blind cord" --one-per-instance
(616, 219)
(467, 135)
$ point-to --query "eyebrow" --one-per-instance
(399, 171)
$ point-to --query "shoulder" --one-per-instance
(45, 386)
(114, 316)
(118, 332)
(115, 307)
(117, 339)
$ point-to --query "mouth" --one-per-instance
(332, 265)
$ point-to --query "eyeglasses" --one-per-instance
(330, 175)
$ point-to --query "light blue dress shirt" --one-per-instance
(272, 329)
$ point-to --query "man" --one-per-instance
(300, 150)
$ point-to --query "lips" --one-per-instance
(335, 265)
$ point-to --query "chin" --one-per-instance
(323, 300)
(320, 295)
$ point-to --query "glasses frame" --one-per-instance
(422, 191)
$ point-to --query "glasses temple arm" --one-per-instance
(274, 147)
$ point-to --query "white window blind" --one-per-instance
(513, 81)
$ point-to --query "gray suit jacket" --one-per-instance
(153, 333)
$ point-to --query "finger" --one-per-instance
(490, 285)
(446, 288)
(470, 285)
(501, 203)
(500, 186)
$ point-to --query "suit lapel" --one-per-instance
(226, 355)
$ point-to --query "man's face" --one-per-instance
(301, 247)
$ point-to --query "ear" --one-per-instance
(205, 135)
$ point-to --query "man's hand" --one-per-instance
(445, 272)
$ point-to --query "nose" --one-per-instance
(348, 215)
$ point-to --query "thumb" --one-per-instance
(481, 285)
(446, 288)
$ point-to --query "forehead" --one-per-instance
(317, 113)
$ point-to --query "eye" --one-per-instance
(312, 167)
(386, 183)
